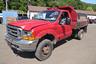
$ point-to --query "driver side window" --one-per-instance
(64, 18)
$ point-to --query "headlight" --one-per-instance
(28, 36)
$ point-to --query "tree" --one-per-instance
(89, 8)
(94, 7)
(22, 4)
(18, 5)
(1, 5)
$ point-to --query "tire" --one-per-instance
(85, 29)
(80, 34)
(41, 53)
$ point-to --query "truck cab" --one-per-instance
(42, 32)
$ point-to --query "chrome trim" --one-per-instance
(21, 45)
(14, 31)
(12, 36)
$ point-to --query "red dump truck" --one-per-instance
(45, 29)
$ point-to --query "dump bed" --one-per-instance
(78, 20)
(82, 21)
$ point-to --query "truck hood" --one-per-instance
(28, 24)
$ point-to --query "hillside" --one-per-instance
(22, 4)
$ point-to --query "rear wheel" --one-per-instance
(80, 34)
(44, 49)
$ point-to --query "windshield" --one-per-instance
(23, 18)
(47, 15)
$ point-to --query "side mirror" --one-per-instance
(68, 21)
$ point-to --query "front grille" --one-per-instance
(13, 31)
(15, 45)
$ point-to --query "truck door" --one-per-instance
(65, 23)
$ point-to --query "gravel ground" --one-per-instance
(72, 52)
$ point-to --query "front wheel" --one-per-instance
(44, 49)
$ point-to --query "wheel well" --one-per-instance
(75, 31)
(85, 29)
(47, 36)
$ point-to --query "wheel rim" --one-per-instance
(46, 50)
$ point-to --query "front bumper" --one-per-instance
(22, 45)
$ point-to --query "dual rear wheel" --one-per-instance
(80, 34)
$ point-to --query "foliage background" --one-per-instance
(22, 4)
